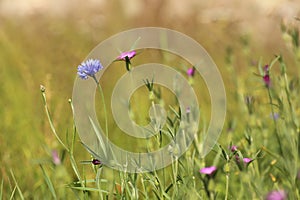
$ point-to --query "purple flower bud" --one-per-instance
(233, 148)
(266, 77)
(191, 71)
(96, 162)
(275, 116)
(208, 170)
(267, 80)
(266, 69)
(55, 158)
(188, 110)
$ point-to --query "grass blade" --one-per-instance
(13, 193)
(50, 118)
(49, 183)
(102, 144)
(1, 190)
(17, 186)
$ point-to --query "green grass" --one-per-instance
(47, 51)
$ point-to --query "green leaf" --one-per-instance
(273, 62)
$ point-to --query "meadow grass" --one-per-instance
(262, 122)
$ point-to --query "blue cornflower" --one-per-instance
(89, 68)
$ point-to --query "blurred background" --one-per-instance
(42, 42)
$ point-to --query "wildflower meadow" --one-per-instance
(117, 106)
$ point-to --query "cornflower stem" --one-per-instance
(104, 105)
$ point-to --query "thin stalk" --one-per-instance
(227, 186)
(104, 105)
(69, 150)
(50, 119)
(274, 120)
(98, 182)
(175, 172)
(17, 185)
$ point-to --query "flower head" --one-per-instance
(267, 80)
(275, 116)
(191, 71)
(266, 77)
(188, 110)
(247, 160)
(55, 158)
(266, 69)
(128, 54)
(208, 170)
(276, 195)
(89, 68)
(233, 148)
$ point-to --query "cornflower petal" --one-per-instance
(89, 68)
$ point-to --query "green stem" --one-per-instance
(274, 120)
(287, 91)
(69, 150)
(98, 182)
(104, 105)
(175, 173)
(227, 186)
(128, 64)
(51, 121)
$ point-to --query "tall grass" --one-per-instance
(262, 121)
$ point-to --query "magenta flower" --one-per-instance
(191, 71)
(233, 148)
(208, 170)
(267, 80)
(266, 77)
(276, 195)
(266, 69)
(247, 160)
(128, 54)
(55, 158)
